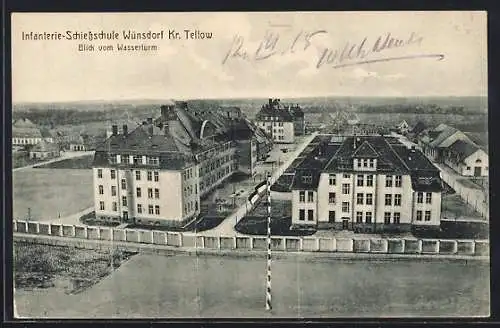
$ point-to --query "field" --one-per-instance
(39, 266)
(48, 193)
(179, 286)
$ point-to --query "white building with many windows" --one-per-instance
(282, 123)
(369, 183)
(157, 173)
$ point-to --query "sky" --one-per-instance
(55, 71)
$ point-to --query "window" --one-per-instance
(125, 159)
(419, 215)
(310, 215)
(359, 199)
(138, 175)
(138, 192)
(157, 210)
(420, 198)
(397, 217)
(427, 215)
(153, 160)
(150, 176)
(345, 207)
(307, 179)
(139, 208)
(347, 175)
(331, 216)
(115, 207)
(302, 215)
(368, 217)
(397, 200)
(369, 180)
(388, 199)
(302, 196)
(468, 168)
(428, 198)
(101, 205)
(150, 209)
(310, 196)
(358, 163)
(331, 198)
(113, 190)
(332, 179)
(361, 178)
(397, 181)
(101, 190)
(372, 162)
(345, 188)
(157, 177)
(113, 159)
(369, 199)
(387, 217)
(113, 174)
(157, 193)
(365, 163)
(137, 159)
(359, 217)
(150, 192)
(478, 160)
(124, 200)
(99, 173)
(388, 181)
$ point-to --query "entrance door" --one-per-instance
(477, 171)
(345, 224)
(125, 216)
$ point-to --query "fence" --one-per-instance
(280, 244)
(474, 197)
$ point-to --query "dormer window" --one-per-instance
(307, 179)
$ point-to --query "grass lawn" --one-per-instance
(453, 206)
(253, 225)
(456, 230)
(21, 158)
(38, 266)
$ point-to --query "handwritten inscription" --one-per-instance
(365, 51)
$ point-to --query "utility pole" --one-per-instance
(268, 280)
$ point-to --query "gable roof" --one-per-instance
(445, 134)
(365, 151)
(462, 149)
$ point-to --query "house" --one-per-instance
(366, 183)
(77, 144)
(434, 142)
(25, 133)
(44, 150)
(280, 121)
(157, 173)
(467, 159)
(403, 127)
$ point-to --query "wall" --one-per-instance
(75, 235)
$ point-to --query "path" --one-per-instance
(226, 228)
(73, 219)
(65, 155)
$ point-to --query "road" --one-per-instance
(226, 228)
(64, 155)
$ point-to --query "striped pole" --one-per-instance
(268, 280)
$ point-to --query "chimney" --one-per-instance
(270, 101)
(150, 120)
(114, 130)
(125, 129)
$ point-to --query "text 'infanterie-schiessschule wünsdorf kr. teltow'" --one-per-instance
(170, 34)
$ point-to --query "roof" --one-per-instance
(365, 151)
(446, 132)
(45, 146)
(23, 123)
(462, 149)
(419, 127)
(178, 135)
(26, 132)
(285, 113)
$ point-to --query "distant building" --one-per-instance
(366, 183)
(157, 173)
(403, 127)
(231, 112)
(467, 159)
(280, 121)
(25, 133)
(435, 142)
(44, 150)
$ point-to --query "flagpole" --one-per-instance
(268, 280)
